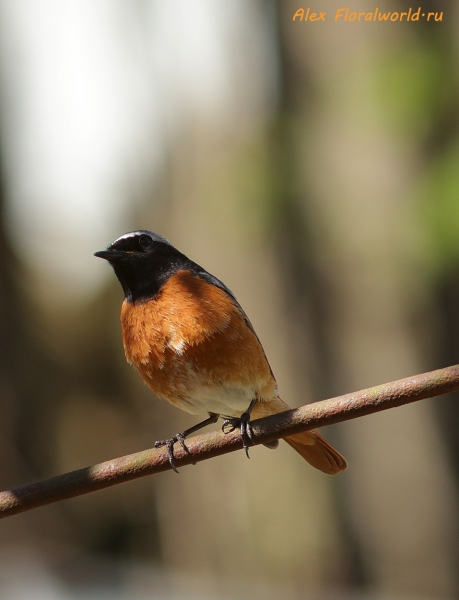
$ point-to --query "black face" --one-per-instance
(143, 261)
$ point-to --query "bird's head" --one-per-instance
(142, 261)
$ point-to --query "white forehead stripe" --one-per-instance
(155, 236)
(126, 236)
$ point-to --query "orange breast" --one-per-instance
(192, 336)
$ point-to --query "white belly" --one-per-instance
(225, 401)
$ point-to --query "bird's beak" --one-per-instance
(110, 255)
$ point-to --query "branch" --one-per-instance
(206, 446)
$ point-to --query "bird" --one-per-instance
(194, 346)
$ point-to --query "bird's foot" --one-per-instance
(178, 437)
(242, 422)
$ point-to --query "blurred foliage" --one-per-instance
(439, 194)
(416, 86)
(417, 91)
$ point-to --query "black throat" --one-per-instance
(143, 274)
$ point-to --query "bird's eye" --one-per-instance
(145, 241)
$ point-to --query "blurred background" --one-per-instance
(314, 168)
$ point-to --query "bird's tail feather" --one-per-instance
(317, 451)
(311, 445)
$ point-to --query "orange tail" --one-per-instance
(317, 451)
(312, 446)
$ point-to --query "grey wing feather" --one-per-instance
(217, 283)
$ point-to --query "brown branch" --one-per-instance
(213, 444)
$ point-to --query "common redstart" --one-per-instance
(194, 346)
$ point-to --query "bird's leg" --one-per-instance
(243, 422)
(180, 438)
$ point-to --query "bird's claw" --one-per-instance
(242, 422)
(178, 437)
